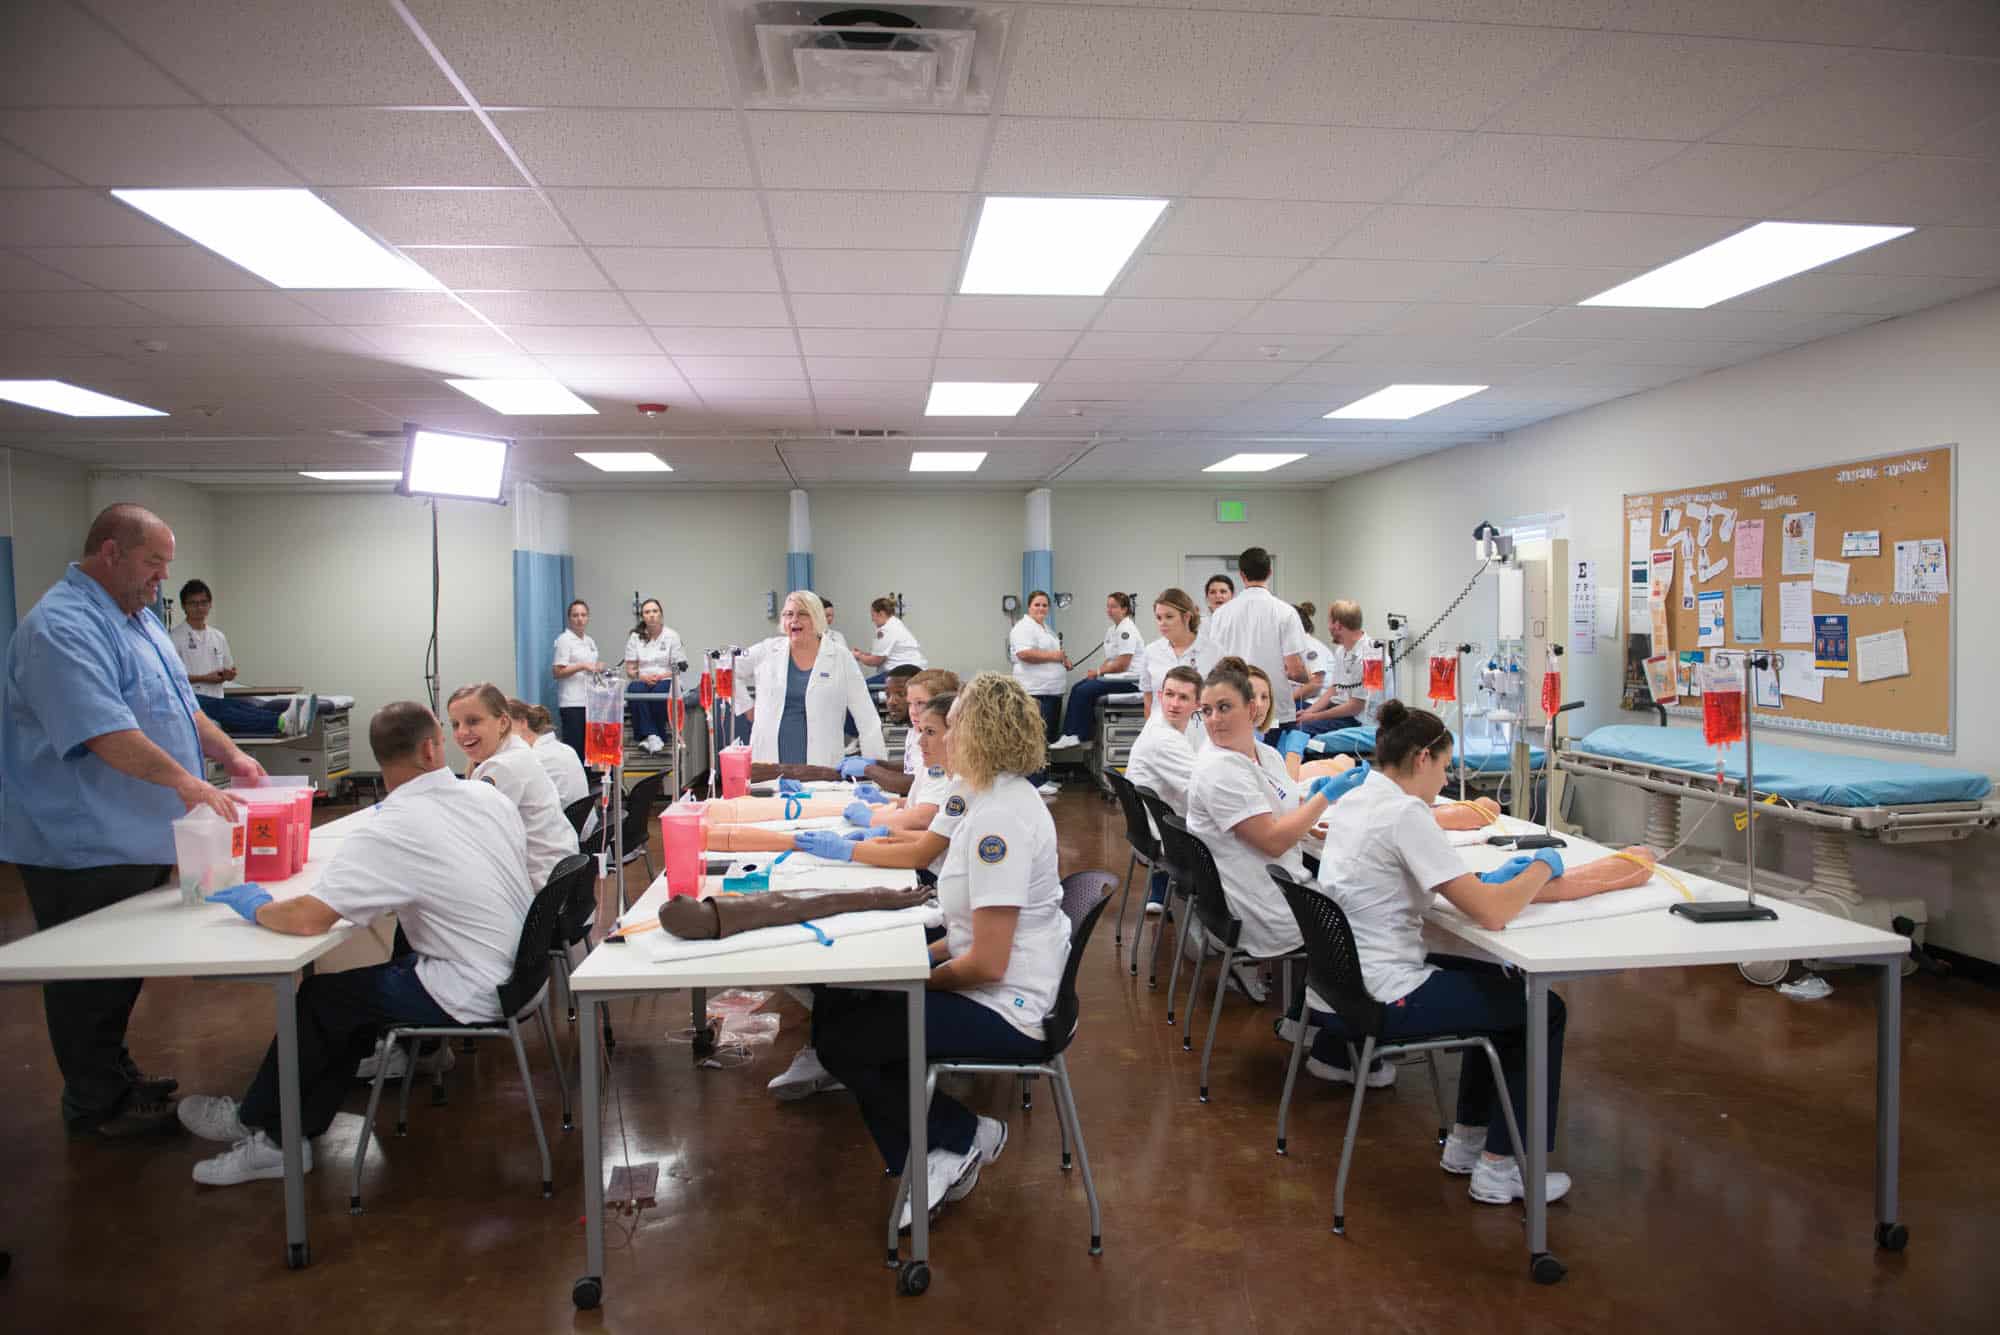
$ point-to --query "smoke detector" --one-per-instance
(900, 58)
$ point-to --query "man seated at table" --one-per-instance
(449, 858)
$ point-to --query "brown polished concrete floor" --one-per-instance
(1721, 1137)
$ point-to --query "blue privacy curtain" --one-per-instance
(544, 583)
(7, 617)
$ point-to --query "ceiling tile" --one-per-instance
(1836, 21)
(705, 369)
(865, 150)
(1734, 180)
(1019, 370)
(1139, 343)
(282, 52)
(1714, 323)
(600, 148)
(387, 307)
(869, 368)
(1005, 342)
(1044, 313)
(1206, 276)
(1372, 280)
(60, 309)
(1911, 190)
(872, 220)
(552, 308)
(1172, 316)
(1534, 171)
(689, 270)
(1979, 140)
(611, 53)
(1313, 163)
(128, 268)
(870, 270)
(20, 274)
(728, 342)
(524, 268)
(1531, 284)
(1252, 227)
(663, 217)
(1155, 368)
(160, 146)
(1261, 347)
(600, 368)
(18, 170)
(716, 392)
(75, 218)
(1260, 372)
(438, 340)
(1618, 239)
(1438, 232)
(472, 217)
(584, 340)
(1318, 317)
(1096, 157)
(54, 55)
(1953, 251)
(1416, 75)
(198, 308)
(1461, 320)
(1872, 294)
(377, 146)
(868, 342)
(877, 312)
(1108, 62)
(1957, 27)
(1888, 101)
(746, 309)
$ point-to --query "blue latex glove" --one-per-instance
(877, 832)
(854, 836)
(1292, 742)
(1337, 786)
(859, 813)
(790, 786)
(828, 844)
(868, 792)
(1551, 859)
(853, 767)
(1507, 870)
(246, 899)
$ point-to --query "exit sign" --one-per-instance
(1230, 512)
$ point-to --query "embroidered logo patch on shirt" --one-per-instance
(992, 849)
(955, 806)
(937, 771)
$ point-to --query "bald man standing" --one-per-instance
(101, 749)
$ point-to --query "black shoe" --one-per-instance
(152, 1088)
(136, 1116)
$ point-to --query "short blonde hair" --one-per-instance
(1343, 612)
(815, 609)
(936, 681)
(998, 730)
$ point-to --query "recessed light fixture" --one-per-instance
(525, 398)
(1032, 247)
(1252, 463)
(1400, 402)
(59, 396)
(626, 461)
(922, 461)
(352, 475)
(978, 398)
(291, 238)
(1753, 258)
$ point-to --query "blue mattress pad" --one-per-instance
(1792, 772)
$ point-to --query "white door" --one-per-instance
(1196, 571)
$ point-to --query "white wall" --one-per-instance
(1400, 534)
(48, 504)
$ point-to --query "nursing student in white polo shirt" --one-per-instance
(484, 730)
(449, 858)
(533, 725)
(1163, 755)
(1181, 644)
(1039, 664)
(576, 658)
(1263, 631)
(204, 652)
(1122, 646)
(653, 654)
(894, 647)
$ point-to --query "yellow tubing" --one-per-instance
(1658, 870)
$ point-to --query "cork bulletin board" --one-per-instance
(1846, 571)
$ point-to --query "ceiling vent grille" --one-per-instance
(833, 56)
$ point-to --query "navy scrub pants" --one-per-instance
(1080, 721)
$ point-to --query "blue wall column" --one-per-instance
(799, 545)
(1038, 557)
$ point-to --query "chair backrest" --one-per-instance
(1333, 964)
(639, 803)
(579, 811)
(1156, 807)
(1211, 905)
(1085, 893)
(577, 875)
(538, 935)
(1138, 829)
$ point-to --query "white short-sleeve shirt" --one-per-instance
(1226, 790)
(202, 651)
(517, 772)
(448, 858)
(1003, 855)
(1346, 674)
(563, 766)
(951, 810)
(1124, 638)
(930, 788)
(1035, 678)
(897, 646)
(1163, 760)
(1385, 858)
(1261, 629)
(573, 691)
(1159, 658)
(657, 655)
(1319, 661)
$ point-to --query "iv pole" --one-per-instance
(1748, 909)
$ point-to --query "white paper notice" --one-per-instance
(1766, 694)
(1607, 612)
(1830, 577)
(1795, 612)
(1861, 542)
(1920, 567)
(1883, 655)
(1709, 620)
(1638, 534)
(1797, 676)
(1725, 521)
(1797, 550)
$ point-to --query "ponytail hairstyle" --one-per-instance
(640, 628)
(1306, 611)
(1123, 600)
(1180, 602)
(1232, 672)
(491, 698)
(1404, 735)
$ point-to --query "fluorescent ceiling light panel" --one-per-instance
(1754, 257)
(59, 396)
(450, 463)
(1055, 247)
(352, 475)
(525, 398)
(922, 461)
(1400, 402)
(978, 398)
(628, 461)
(291, 238)
(1252, 463)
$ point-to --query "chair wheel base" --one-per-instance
(1281, 1146)
(569, 1124)
(402, 1128)
(354, 1205)
(894, 1260)
(913, 1280)
(1544, 1268)
(298, 1255)
(1891, 1237)
(1204, 1093)
(1065, 1163)
(548, 1188)
(1096, 1244)
(1187, 1042)
(1340, 1224)
(1443, 1135)
(586, 1293)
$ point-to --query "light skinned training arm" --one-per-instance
(1595, 878)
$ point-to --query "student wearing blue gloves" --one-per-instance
(1386, 862)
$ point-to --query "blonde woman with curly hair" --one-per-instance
(1000, 961)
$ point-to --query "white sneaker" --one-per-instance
(1155, 907)
(990, 1140)
(1065, 742)
(1380, 1076)
(1498, 1181)
(429, 1063)
(252, 1159)
(804, 1078)
(1049, 789)
(951, 1177)
(1462, 1150)
(1287, 1027)
(288, 722)
(1243, 978)
(653, 744)
(212, 1118)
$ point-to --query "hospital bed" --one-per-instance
(1836, 797)
(322, 754)
(1120, 720)
(1484, 763)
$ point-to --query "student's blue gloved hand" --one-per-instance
(869, 792)
(1292, 742)
(790, 786)
(828, 844)
(859, 813)
(1507, 870)
(854, 836)
(1551, 859)
(246, 899)
(1337, 786)
(853, 767)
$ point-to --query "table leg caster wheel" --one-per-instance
(1891, 1237)
(1546, 1269)
(298, 1255)
(586, 1293)
(913, 1280)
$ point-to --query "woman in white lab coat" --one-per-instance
(807, 689)
(1122, 646)
(484, 730)
(653, 655)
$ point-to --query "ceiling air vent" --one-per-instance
(909, 58)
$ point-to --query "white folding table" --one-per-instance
(1659, 939)
(154, 935)
(897, 960)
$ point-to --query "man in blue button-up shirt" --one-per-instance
(101, 750)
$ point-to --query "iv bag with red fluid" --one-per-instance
(1372, 675)
(725, 679)
(1552, 688)
(1721, 704)
(677, 712)
(708, 688)
(1444, 678)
